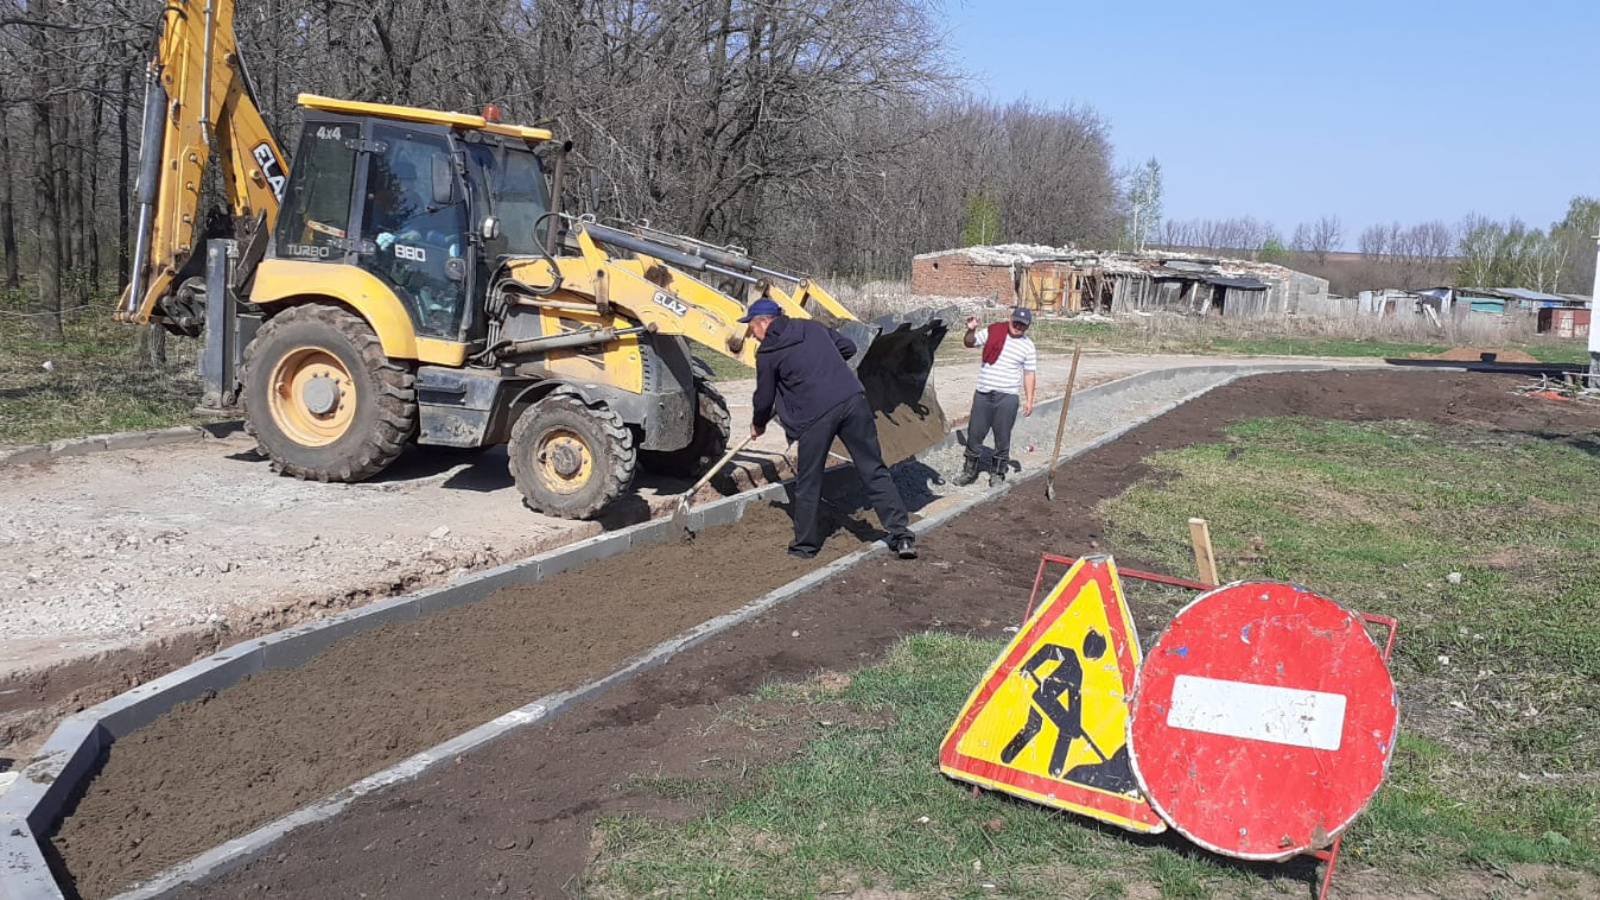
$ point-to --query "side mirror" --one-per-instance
(444, 180)
(489, 229)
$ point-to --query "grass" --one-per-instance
(1343, 338)
(1499, 673)
(93, 382)
(848, 813)
(725, 369)
(1499, 761)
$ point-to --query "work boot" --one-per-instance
(1002, 467)
(905, 547)
(969, 472)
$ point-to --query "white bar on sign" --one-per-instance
(1257, 711)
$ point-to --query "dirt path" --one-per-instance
(118, 567)
(381, 696)
(515, 815)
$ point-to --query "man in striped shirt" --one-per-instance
(1006, 380)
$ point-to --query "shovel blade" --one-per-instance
(680, 517)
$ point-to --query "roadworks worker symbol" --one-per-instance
(1048, 722)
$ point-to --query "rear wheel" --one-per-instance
(570, 459)
(710, 440)
(322, 399)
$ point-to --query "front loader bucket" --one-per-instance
(897, 371)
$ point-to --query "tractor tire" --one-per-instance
(710, 440)
(570, 459)
(322, 400)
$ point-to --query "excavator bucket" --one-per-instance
(897, 371)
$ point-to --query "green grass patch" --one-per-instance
(725, 369)
(93, 382)
(1267, 345)
(1498, 666)
(1291, 346)
(1266, 337)
(1499, 760)
(864, 807)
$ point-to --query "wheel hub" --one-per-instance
(566, 461)
(312, 396)
(320, 394)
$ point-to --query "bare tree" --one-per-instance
(832, 132)
(8, 216)
(1374, 241)
(1317, 239)
(47, 167)
(1479, 245)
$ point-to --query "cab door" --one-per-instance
(413, 224)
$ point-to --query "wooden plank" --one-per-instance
(1204, 559)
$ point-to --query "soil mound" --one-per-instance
(1477, 354)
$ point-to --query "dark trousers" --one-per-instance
(851, 422)
(995, 410)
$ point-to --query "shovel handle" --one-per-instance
(726, 458)
(1066, 404)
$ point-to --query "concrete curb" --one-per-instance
(46, 786)
(122, 440)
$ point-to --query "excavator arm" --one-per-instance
(198, 103)
(666, 286)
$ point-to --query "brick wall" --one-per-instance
(955, 275)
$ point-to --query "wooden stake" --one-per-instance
(1204, 560)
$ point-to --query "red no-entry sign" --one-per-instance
(1262, 721)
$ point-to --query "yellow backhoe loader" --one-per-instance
(409, 280)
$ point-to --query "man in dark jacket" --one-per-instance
(801, 369)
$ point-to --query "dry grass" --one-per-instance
(93, 382)
(1355, 336)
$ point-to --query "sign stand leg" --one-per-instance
(1331, 855)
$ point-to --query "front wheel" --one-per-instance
(322, 399)
(570, 459)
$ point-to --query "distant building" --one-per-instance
(1064, 280)
(1504, 301)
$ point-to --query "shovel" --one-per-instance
(680, 517)
(1061, 427)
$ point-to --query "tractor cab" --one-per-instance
(423, 201)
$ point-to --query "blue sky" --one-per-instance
(1374, 111)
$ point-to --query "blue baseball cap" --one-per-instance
(766, 306)
(1022, 314)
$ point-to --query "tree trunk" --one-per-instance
(61, 170)
(8, 220)
(90, 203)
(72, 244)
(124, 200)
(45, 182)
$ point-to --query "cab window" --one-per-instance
(510, 176)
(316, 207)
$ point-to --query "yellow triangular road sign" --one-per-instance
(1048, 722)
